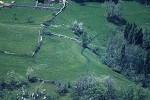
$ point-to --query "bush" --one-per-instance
(77, 28)
(30, 19)
(32, 77)
(62, 90)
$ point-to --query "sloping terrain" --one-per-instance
(59, 58)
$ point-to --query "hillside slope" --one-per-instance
(58, 59)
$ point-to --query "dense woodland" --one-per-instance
(128, 48)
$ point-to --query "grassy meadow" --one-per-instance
(59, 58)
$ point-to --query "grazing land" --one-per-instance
(60, 59)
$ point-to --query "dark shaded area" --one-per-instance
(145, 2)
(40, 1)
(116, 20)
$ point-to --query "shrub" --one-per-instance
(15, 16)
(30, 19)
(77, 28)
(62, 90)
(32, 77)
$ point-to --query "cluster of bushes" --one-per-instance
(32, 77)
(128, 53)
(88, 87)
(79, 33)
(38, 94)
(91, 87)
(77, 29)
(12, 81)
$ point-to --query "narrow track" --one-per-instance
(87, 61)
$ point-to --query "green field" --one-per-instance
(59, 58)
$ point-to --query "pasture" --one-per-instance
(59, 58)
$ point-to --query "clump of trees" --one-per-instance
(38, 94)
(128, 53)
(83, 88)
(133, 34)
(12, 81)
(114, 13)
(77, 29)
(81, 35)
(90, 87)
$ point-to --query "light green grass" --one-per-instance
(136, 13)
(20, 39)
(58, 58)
